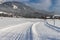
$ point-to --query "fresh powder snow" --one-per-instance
(29, 29)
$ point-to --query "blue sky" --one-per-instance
(47, 5)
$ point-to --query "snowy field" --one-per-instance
(6, 22)
(29, 29)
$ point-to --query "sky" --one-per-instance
(47, 5)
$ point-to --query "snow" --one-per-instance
(15, 7)
(55, 22)
(28, 29)
(5, 22)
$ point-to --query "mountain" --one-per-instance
(22, 10)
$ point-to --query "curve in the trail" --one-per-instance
(34, 28)
(52, 26)
(29, 31)
(42, 32)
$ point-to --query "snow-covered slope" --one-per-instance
(26, 29)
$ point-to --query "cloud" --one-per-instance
(43, 4)
(38, 4)
(14, 0)
(57, 6)
(48, 5)
(2, 0)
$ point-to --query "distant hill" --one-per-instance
(22, 10)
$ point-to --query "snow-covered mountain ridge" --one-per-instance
(19, 9)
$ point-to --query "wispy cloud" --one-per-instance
(39, 4)
(48, 5)
(44, 5)
(57, 6)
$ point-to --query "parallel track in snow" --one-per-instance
(29, 31)
(17, 32)
(52, 26)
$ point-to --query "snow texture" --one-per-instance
(28, 29)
